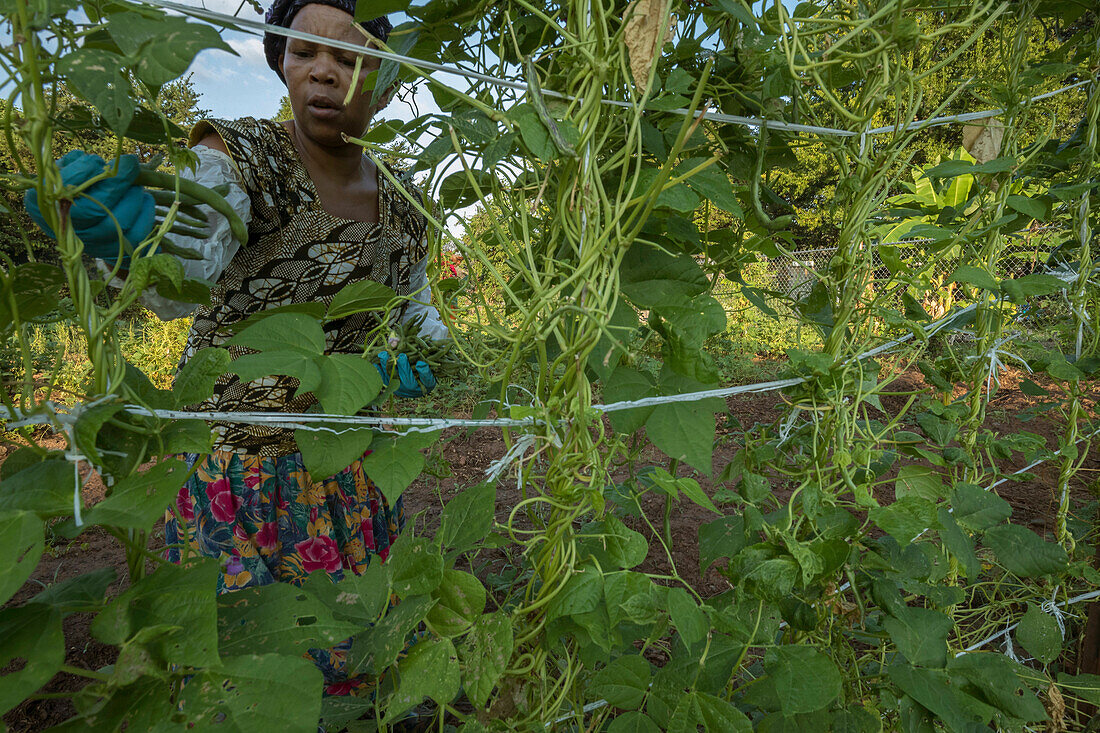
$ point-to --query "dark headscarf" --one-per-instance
(282, 12)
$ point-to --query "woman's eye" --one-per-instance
(348, 62)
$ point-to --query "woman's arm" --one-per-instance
(218, 248)
(421, 304)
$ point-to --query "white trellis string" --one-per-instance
(1061, 604)
(1009, 650)
(261, 27)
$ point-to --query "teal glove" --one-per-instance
(407, 375)
(116, 199)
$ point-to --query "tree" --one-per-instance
(284, 112)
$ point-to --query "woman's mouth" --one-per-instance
(323, 107)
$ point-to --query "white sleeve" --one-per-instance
(218, 249)
(421, 304)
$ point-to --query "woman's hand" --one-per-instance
(414, 381)
(112, 205)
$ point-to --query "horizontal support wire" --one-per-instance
(257, 26)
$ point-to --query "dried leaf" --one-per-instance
(644, 35)
(1055, 705)
(983, 139)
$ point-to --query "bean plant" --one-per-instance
(626, 151)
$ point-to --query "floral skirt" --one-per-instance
(268, 522)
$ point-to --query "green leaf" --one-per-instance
(629, 384)
(920, 481)
(722, 538)
(1029, 286)
(460, 599)
(956, 541)
(685, 431)
(468, 517)
(1024, 553)
(921, 635)
(633, 722)
(1032, 208)
(165, 45)
(22, 541)
(140, 500)
(312, 309)
(45, 488)
(687, 617)
(195, 381)
(430, 670)
(88, 424)
(485, 654)
(376, 648)
(186, 436)
(416, 566)
(283, 331)
(533, 133)
(395, 462)
(805, 679)
(328, 453)
(255, 694)
(663, 481)
(623, 683)
(361, 599)
(905, 519)
(359, 296)
(1083, 686)
(976, 276)
(977, 509)
(581, 594)
(278, 618)
(652, 277)
(999, 680)
(713, 184)
(607, 354)
(1039, 634)
(99, 77)
(82, 593)
(348, 382)
(31, 637)
(378, 8)
(171, 596)
(932, 689)
(284, 363)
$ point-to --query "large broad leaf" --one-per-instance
(468, 517)
(82, 593)
(1000, 681)
(722, 538)
(805, 679)
(958, 543)
(684, 431)
(687, 617)
(347, 383)
(138, 501)
(98, 76)
(22, 540)
(1039, 634)
(906, 518)
(1024, 553)
(302, 367)
(921, 635)
(714, 185)
(361, 599)
(88, 424)
(31, 637)
(175, 597)
(652, 277)
(485, 654)
(278, 618)
(376, 648)
(416, 567)
(626, 385)
(281, 332)
(460, 599)
(677, 197)
(430, 670)
(195, 381)
(977, 509)
(932, 689)
(329, 451)
(581, 594)
(256, 694)
(633, 722)
(395, 462)
(607, 354)
(624, 682)
(45, 488)
(698, 709)
(165, 45)
(363, 295)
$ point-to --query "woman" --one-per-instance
(319, 216)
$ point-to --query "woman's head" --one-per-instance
(319, 76)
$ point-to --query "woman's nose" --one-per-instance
(323, 69)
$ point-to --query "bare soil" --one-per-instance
(460, 460)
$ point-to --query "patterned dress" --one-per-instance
(251, 503)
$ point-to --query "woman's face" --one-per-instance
(318, 78)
